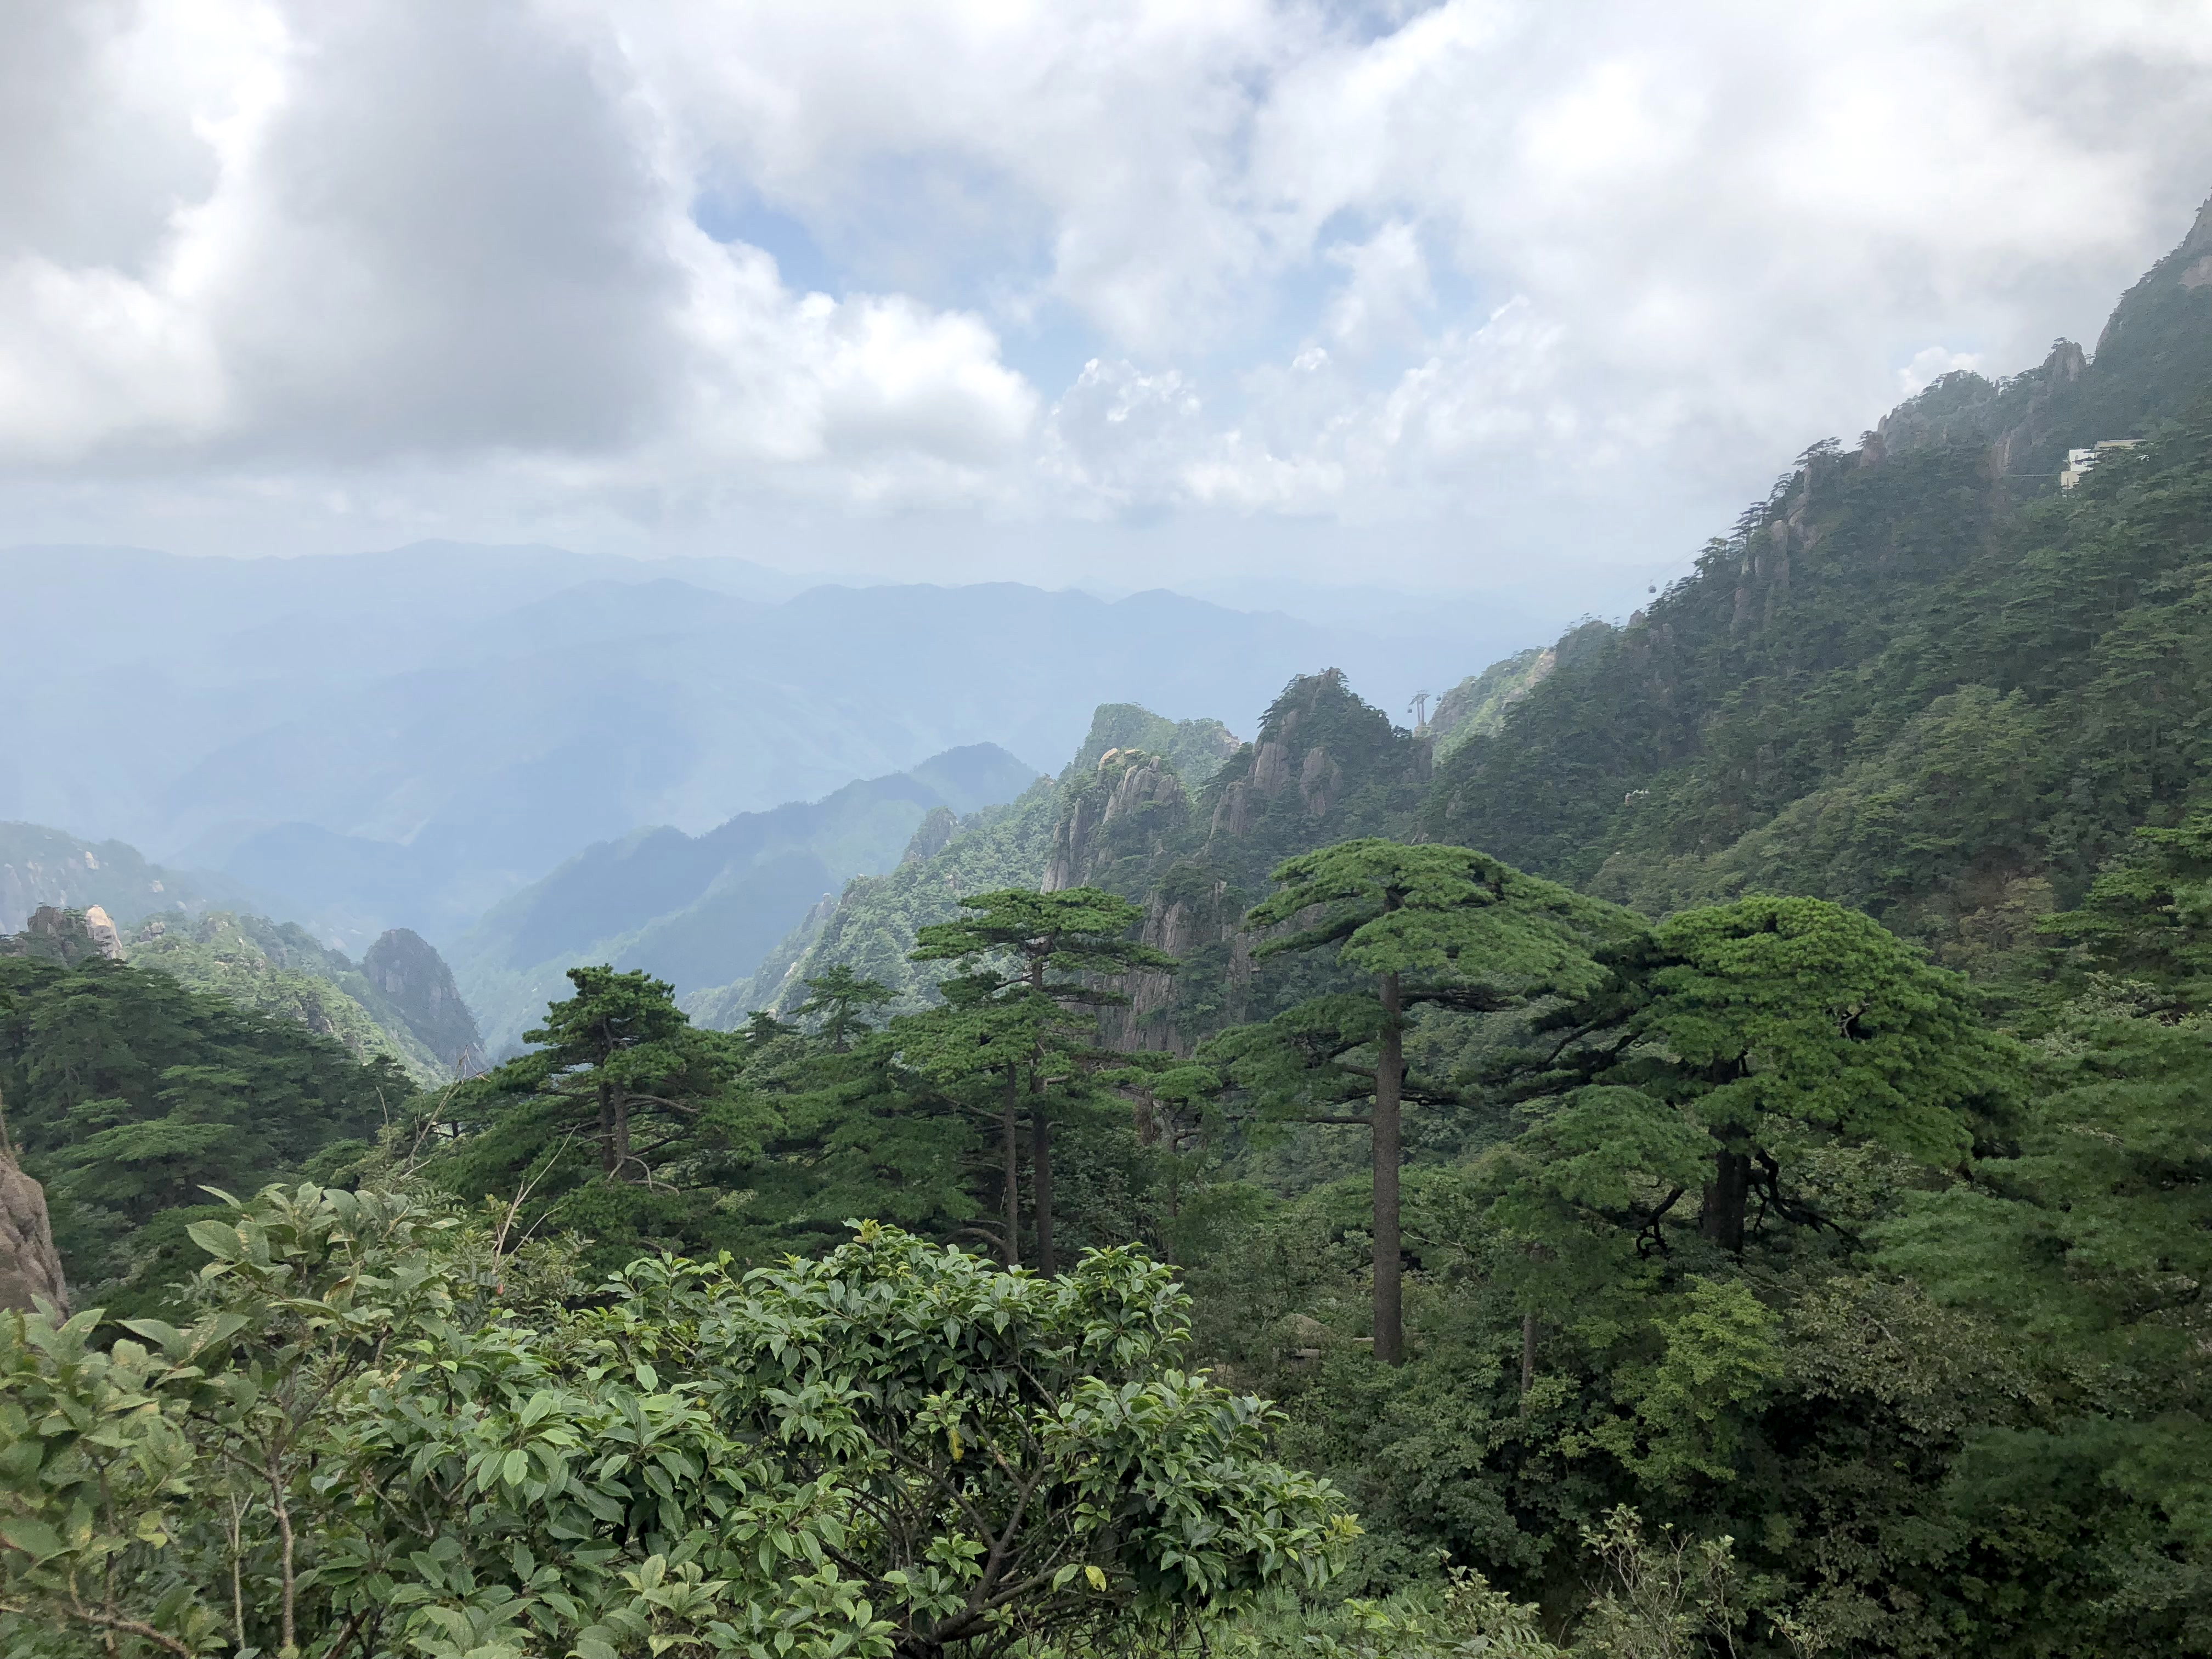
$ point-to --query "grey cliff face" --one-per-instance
(932, 836)
(1135, 800)
(30, 1269)
(414, 977)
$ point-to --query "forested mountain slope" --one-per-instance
(399, 1000)
(129, 1092)
(870, 927)
(399, 1004)
(1914, 679)
(1477, 704)
(2153, 359)
(1883, 690)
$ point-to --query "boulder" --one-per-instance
(105, 938)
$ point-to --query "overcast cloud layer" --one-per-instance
(1508, 293)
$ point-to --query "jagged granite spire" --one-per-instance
(414, 978)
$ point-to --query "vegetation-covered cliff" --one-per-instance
(871, 928)
(130, 1092)
(1886, 687)
(278, 969)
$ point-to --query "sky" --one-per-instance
(1501, 298)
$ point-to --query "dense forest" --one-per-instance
(1704, 1146)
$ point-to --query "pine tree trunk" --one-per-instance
(1145, 1120)
(1390, 1080)
(606, 1128)
(1041, 1175)
(1012, 1174)
(621, 1134)
(1727, 1196)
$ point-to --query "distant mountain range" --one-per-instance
(869, 927)
(404, 739)
(703, 911)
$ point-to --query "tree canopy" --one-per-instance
(373, 1437)
(1445, 926)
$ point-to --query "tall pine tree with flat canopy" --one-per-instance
(1445, 926)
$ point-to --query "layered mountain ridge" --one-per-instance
(1919, 678)
(700, 911)
(406, 738)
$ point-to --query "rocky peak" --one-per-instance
(415, 979)
(2187, 268)
(1305, 699)
(2153, 360)
(102, 932)
(1196, 749)
(1318, 744)
(1963, 407)
(67, 937)
(932, 836)
(1132, 803)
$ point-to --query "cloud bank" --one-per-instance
(1512, 286)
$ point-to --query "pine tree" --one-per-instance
(1772, 1024)
(1445, 926)
(622, 1080)
(620, 1043)
(1059, 946)
(838, 1001)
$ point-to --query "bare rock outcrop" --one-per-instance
(105, 938)
(1135, 800)
(30, 1268)
(408, 970)
(1271, 768)
(67, 937)
(1321, 781)
(1181, 922)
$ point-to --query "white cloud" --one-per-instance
(1453, 263)
(428, 230)
(1125, 437)
(778, 377)
(1387, 294)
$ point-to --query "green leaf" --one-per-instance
(217, 1240)
(534, 1409)
(34, 1538)
(160, 1333)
